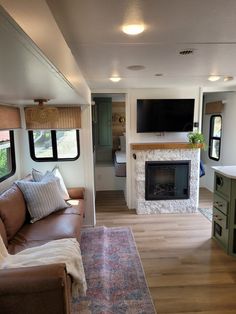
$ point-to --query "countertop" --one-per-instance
(227, 171)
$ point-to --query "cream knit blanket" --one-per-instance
(58, 251)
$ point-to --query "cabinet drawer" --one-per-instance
(220, 204)
(219, 228)
(220, 218)
(222, 185)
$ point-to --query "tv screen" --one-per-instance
(165, 115)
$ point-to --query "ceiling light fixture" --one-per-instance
(133, 29)
(115, 79)
(213, 78)
(41, 113)
(228, 78)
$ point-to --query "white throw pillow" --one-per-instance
(42, 198)
(55, 173)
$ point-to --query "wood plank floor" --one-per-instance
(110, 201)
(205, 198)
(185, 269)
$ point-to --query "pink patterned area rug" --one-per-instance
(114, 274)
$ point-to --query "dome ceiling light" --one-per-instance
(115, 79)
(228, 78)
(213, 78)
(133, 29)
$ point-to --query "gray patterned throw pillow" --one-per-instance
(42, 198)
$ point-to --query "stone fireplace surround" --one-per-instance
(165, 152)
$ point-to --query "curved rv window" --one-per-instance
(215, 137)
(54, 145)
(7, 155)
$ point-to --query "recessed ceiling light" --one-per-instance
(136, 67)
(213, 78)
(115, 79)
(133, 29)
(228, 78)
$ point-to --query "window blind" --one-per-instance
(214, 107)
(68, 118)
(9, 118)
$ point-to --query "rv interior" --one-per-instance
(112, 112)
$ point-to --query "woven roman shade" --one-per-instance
(214, 107)
(67, 118)
(9, 118)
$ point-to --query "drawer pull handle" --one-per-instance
(219, 181)
(217, 217)
(217, 204)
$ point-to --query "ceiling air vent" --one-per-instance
(136, 67)
(186, 52)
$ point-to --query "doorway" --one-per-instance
(109, 141)
(214, 126)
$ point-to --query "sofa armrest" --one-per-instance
(76, 193)
(39, 289)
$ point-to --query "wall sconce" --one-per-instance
(122, 119)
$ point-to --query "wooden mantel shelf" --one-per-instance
(164, 145)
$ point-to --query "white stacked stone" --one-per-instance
(167, 206)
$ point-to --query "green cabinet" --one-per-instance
(224, 212)
(103, 129)
(104, 121)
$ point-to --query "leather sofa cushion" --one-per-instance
(62, 224)
(3, 232)
(12, 210)
(76, 193)
(77, 208)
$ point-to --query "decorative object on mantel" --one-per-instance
(41, 113)
(196, 138)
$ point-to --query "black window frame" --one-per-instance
(54, 148)
(13, 157)
(211, 137)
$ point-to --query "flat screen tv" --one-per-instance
(165, 115)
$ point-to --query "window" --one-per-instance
(51, 145)
(7, 155)
(215, 137)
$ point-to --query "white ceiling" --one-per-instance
(92, 29)
(26, 73)
(43, 66)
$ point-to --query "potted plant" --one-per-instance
(196, 138)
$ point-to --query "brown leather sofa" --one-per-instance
(40, 289)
